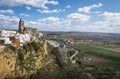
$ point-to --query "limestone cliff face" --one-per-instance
(22, 62)
(45, 47)
(7, 63)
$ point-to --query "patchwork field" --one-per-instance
(102, 51)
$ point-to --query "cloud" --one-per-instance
(111, 16)
(50, 19)
(8, 22)
(26, 15)
(8, 11)
(68, 6)
(72, 22)
(55, 23)
(50, 23)
(45, 22)
(109, 24)
(50, 11)
(28, 7)
(96, 12)
(33, 3)
(87, 9)
(78, 17)
(113, 19)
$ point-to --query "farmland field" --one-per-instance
(108, 45)
(112, 47)
(99, 51)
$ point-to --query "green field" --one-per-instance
(109, 46)
(98, 51)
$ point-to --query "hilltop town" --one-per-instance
(17, 48)
(19, 37)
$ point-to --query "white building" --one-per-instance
(8, 33)
(6, 40)
(5, 36)
(23, 38)
(53, 43)
(40, 34)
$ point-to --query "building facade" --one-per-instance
(21, 27)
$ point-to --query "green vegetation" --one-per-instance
(28, 62)
(33, 45)
(67, 73)
(21, 54)
(36, 46)
(24, 63)
(27, 47)
(98, 51)
(109, 45)
(45, 60)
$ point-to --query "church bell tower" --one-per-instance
(21, 27)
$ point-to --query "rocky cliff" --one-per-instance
(7, 63)
(24, 61)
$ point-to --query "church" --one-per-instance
(22, 29)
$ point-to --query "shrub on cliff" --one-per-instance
(36, 46)
(27, 47)
(21, 54)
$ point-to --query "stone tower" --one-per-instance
(21, 27)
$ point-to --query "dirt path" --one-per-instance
(71, 58)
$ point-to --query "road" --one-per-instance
(71, 58)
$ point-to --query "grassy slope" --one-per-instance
(98, 51)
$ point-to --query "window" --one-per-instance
(22, 23)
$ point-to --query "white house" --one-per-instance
(23, 38)
(8, 33)
(40, 35)
(53, 43)
(6, 40)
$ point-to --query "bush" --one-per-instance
(27, 47)
(36, 46)
(21, 54)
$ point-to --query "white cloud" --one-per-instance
(110, 24)
(34, 3)
(50, 23)
(111, 16)
(96, 12)
(28, 7)
(113, 20)
(78, 17)
(8, 11)
(22, 14)
(87, 9)
(45, 22)
(50, 11)
(68, 6)
(50, 19)
(8, 22)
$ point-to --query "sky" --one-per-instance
(62, 15)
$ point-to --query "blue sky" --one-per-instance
(62, 15)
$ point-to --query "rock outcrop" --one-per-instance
(22, 62)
